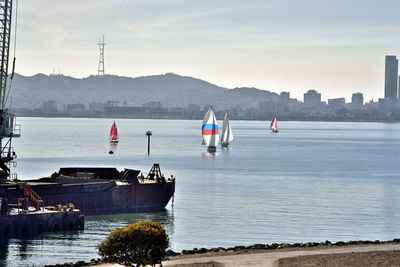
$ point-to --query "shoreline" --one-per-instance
(19, 115)
(205, 254)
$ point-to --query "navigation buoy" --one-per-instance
(148, 134)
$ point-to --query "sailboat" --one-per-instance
(227, 135)
(273, 126)
(114, 134)
(210, 131)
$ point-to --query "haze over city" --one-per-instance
(335, 47)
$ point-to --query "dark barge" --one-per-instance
(29, 223)
(97, 191)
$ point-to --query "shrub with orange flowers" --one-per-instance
(142, 243)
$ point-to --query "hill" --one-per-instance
(170, 89)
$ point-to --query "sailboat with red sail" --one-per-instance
(273, 126)
(114, 138)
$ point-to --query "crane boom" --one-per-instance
(5, 23)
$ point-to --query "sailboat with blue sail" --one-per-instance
(210, 131)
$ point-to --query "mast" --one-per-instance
(8, 128)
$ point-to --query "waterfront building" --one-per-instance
(284, 98)
(111, 103)
(96, 106)
(336, 103)
(391, 77)
(312, 99)
(267, 108)
(193, 108)
(357, 100)
(49, 107)
(78, 106)
(153, 104)
(385, 107)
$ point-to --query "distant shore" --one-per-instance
(200, 118)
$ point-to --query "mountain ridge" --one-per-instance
(169, 88)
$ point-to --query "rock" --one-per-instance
(273, 246)
(203, 250)
(284, 245)
(170, 253)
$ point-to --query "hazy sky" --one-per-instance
(334, 46)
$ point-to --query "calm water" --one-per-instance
(314, 181)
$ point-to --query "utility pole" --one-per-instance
(101, 45)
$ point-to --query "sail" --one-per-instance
(227, 134)
(210, 129)
(273, 125)
(114, 133)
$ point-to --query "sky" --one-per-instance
(336, 47)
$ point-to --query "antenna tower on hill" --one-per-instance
(101, 45)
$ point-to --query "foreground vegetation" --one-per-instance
(140, 244)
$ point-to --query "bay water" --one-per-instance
(314, 181)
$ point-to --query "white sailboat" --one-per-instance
(227, 135)
(210, 131)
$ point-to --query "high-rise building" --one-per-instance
(312, 99)
(357, 100)
(391, 76)
(398, 84)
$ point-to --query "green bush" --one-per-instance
(141, 243)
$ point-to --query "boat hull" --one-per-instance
(97, 196)
(211, 149)
(225, 144)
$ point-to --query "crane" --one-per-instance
(8, 127)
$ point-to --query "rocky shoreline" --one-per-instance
(255, 247)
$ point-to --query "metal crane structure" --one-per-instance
(8, 128)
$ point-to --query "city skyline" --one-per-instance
(293, 46)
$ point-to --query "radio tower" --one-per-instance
(101, 45)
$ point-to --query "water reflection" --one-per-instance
(73, 246)
(3, 251)
(207, 155)
(113, 148)
(108, 223)
(225, 149)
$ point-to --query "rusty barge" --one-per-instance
(99, 191)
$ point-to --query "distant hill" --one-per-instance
(170, 89)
